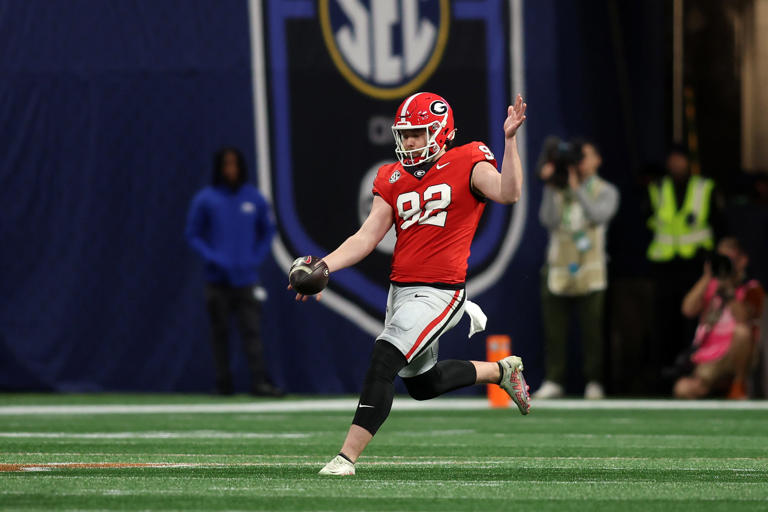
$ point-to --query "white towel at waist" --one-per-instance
(477, 318)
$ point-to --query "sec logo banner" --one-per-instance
(385, 48)
(328, 76)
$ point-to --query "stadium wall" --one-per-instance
(111, 113)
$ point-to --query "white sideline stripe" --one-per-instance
(412, 462)
(402, 404)
(195, 434)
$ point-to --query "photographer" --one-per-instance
(729, 309)
(576, 207)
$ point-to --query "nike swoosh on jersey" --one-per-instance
(363, 405)
(438, 166)
(421, 296)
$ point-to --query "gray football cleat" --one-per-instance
(513, 382)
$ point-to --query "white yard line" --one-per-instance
(401, 404)
(194, 434)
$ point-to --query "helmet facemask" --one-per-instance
(416, 156)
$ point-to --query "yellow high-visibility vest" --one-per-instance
(680, 232)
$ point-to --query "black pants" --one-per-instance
(222, 302)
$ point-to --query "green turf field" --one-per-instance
(240, 459)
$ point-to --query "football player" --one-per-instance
(435, 196)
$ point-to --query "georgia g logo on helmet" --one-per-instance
(438, 107)
(427, 111)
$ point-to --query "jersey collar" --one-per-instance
(421, 170)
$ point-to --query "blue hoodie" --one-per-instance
(231, 228)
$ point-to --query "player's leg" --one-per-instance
(217, 302)
(375, 399)
(372, 409)
(444, 377)
(453, 374)
(426, 378)
(413, 321)
(488, 372)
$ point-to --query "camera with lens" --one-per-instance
(562, 155)
(721, 265)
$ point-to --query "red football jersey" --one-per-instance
(436, 215)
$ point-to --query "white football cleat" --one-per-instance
(513, 382)
(339, 466)
(594, 391)
(549, 389)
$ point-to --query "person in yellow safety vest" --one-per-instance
(680, 230)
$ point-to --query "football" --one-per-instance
(308, 275)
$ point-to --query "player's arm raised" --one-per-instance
(360, 245)
(504, 188)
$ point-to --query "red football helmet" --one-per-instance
(427, 111)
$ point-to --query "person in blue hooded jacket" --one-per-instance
(230, 226)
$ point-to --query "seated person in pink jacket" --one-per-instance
(729, 309)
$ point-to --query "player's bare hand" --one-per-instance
(304, 298)
(515, 117)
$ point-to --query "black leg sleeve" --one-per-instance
(379, 387)
(445, 376)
